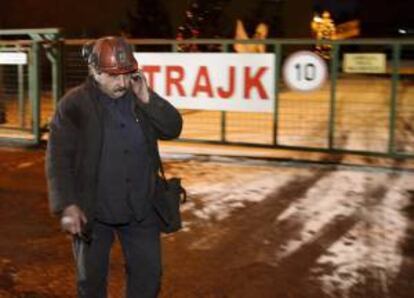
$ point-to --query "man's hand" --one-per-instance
(140, 86)
(73, 219)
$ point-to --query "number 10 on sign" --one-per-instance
(304, 71)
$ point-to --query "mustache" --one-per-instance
(121, 89)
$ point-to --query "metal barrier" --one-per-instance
(21, 75)
(352, 113)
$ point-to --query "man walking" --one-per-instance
(102, 166)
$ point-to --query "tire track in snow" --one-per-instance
(242, 234)
(253, 227)
(328, 219)
(368, 258)
(303, 221)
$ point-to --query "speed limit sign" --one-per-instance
(304, 71)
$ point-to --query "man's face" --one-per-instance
(115, 86)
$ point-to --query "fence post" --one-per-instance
(21, 101)
(332, 111)
(54, 54)
(57, 72)
(223, 120)
(396, 51)
(174, 47)
(34, 88)
(278, 60)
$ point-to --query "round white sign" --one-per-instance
(304, 71)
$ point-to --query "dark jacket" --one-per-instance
(75, 143)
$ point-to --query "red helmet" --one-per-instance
(112, 55)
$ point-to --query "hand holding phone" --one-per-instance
(140, 86)
(138, 75)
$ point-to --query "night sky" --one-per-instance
(286, 18)
(341, 10)
(379, 18)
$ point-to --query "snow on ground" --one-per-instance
(221, 199)
(335, 195)
(370, 200)
(227, 185)
(372, 245)
(365, 206)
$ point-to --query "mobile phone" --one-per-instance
(137, 75)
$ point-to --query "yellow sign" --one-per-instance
(364, 63)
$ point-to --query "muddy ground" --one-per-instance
(252, 229)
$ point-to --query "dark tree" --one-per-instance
(148, 19)
(203, 19)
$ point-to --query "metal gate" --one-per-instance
(21, 78)
(366, 114)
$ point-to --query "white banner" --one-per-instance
(212, 81)
(12, 58)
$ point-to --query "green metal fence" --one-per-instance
(352, 113)
(24, 86)
(368, 114)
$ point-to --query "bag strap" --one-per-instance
(161, 167)
(183, 192)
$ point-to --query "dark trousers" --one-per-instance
(140, 243)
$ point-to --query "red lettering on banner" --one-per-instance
(253, 81)
(174, 80)
(150, 71)
(205, 87)
(228, 93)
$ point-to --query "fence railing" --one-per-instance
(352, 113)
(20, 82)
(368, 114)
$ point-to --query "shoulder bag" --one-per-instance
(170, 194)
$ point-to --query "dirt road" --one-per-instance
(252, 229)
